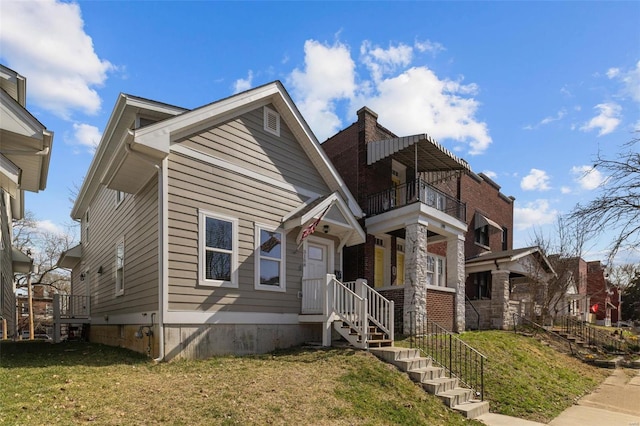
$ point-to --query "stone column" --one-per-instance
(456, 279)
(415, 273)
(500, 299)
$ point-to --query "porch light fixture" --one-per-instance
(325, 228)
(100, 270)
(82, 276)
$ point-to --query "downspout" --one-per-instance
(162, 201)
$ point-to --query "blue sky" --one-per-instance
(526, 92)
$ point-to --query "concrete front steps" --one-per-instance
(433, 380)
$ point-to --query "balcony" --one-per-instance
(413, 192)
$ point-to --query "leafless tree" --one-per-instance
(563, 252)
(45, 247)
(617, 206)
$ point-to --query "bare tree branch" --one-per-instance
(617, 206)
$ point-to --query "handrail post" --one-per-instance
(56, 319)
(392, 320)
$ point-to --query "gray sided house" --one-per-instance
(196, 230)
(25, 153)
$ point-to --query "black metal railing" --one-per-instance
(412, 192)
(522, 325)
(593, 336)
(449, 352)
(469, 303)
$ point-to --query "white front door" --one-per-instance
(318, 258)
(316, 266)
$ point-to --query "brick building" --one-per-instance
(428, 215)
(604, 299)
(414, 252)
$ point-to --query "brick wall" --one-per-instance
(441, 308)
(483, 195)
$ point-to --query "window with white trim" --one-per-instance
(271, 121)
(436, 271)
(269, 259)
(119, 268)
(218, 250)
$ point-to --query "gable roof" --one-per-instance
(509, 257)
(127, 158)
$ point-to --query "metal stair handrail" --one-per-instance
(520, 320)
(592, 335)
(448, 351)
(469, 303)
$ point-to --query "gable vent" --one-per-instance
(271, 121)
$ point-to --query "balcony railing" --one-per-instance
(412, 192)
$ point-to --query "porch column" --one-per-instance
(415, 273)
(456, 279)
(500, 299)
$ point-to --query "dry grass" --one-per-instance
(76, 383)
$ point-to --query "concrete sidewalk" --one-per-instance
(616, 402)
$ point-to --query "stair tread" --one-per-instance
(423, 369)
(455, 392)
(439, 380)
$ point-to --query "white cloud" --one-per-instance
(382, 62)
(328, 76)
(607, 120)
(243, 84)
(535, 213)
(86, 135)
(629, 79)
(565, 190)
(587, 177)
(49, 226)
(409, 100)
(429, 46)
(535, 180)
(417, 101)
(613, 72)
(45, 41)
(490, 174)
(559, 116)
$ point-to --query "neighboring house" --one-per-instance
(603, 297)
(197, 230)
(25, 152)
(42, 302)
(414, 252)
(572, 273)
(437, 233)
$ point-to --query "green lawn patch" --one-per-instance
(525, 378)
(78, 383)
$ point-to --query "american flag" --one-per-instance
(312, 226)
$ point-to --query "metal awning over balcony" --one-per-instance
(421, 152)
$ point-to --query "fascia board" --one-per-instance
(160, 135)
(91, 183)
(23, 122)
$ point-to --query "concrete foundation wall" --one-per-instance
(203, 341)
(124, 337)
